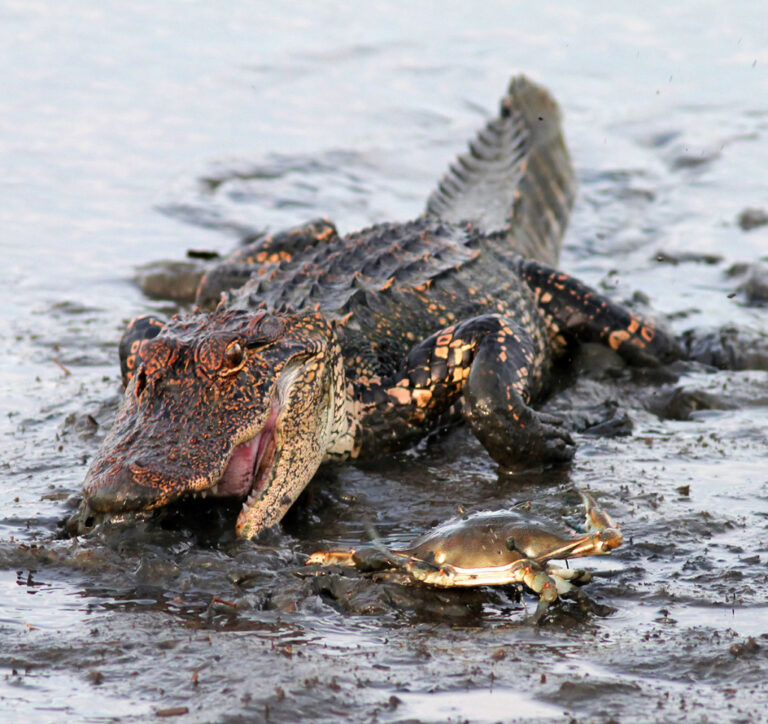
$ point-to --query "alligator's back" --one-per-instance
(391, 285)
(509, 195)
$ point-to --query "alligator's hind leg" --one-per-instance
(495, 365)
(139, 329)
(574, 310)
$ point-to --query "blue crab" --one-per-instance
(493, 549)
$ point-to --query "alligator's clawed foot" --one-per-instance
(530, 437)
(556, 444)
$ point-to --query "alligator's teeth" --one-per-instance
(203, 493)
(215, 489)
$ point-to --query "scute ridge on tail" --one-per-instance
(515, 178)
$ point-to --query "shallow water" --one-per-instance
(130, 134)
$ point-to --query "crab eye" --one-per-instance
(234, 354)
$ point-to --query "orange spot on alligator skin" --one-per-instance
(422, 397)
(387, 284)
(400, 395)
(616, 338)
(443, 339)
(441, 352)
(647, 333)
(634, 325)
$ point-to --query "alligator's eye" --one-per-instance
(234, 354)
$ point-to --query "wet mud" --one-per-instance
(172, 618)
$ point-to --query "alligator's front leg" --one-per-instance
(495, 366)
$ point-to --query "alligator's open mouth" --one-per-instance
(248, 470)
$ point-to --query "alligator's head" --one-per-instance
(233, 403)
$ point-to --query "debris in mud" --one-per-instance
(203, 254)
(85, 425)
(727, 348)
(598, 362)
(751, 218)
(173, 280)
(748, 648)
(755, 285)
(684, 257)
(679, 403)
(172, 711)
(754, 281)
(603, 420)
(64, 369)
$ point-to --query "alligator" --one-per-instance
(307, 346)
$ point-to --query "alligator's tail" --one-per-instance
(517, 177)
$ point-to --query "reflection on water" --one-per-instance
(130, 134)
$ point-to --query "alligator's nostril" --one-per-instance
(141, 382)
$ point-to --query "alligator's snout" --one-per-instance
(120, 492)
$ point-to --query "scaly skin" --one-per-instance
(325, 347)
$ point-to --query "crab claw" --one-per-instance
(606, 534)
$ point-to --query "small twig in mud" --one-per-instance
(173, 711)
(223, 602)
(210, 610)
(66, 371)
(195, 673)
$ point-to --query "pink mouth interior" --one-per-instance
(240, 474)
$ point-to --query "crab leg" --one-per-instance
(574, 575)
(539, 582)
(331, 558)
(365, 559)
